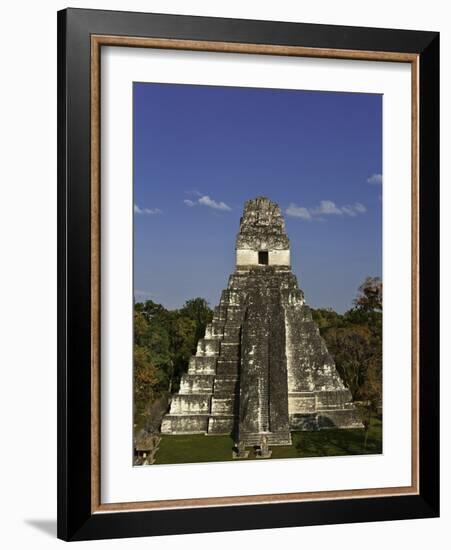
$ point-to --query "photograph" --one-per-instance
(248, 272)
(257, 273)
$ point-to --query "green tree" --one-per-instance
(355, 341)
(326, 318)
(370, 295)
(150, 309)
(200, 312)
(152, 362)
(371, 392)
(184, 343)
(163, 344)
(351, 348)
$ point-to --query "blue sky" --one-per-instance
(200, 152)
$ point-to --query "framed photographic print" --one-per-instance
(248, 274)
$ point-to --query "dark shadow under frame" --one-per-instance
(80, 36)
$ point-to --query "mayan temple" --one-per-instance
(262, 369)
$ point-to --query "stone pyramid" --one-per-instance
(262, 368)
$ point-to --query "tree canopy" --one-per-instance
(163, 342)
(354, 340)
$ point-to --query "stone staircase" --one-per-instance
(263, 420)
(207, 399)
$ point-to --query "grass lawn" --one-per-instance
(178, 449)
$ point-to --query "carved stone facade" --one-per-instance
(262, 368)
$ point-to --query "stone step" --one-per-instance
(346, 418)
(232, 331)
(221, 406)
(207, 347)
(229, 350)
(333, 399)
(225, 385)
(228, 304)
(219, 314)
(264, 408)
(231, 297)
(227, 368)
(202, 365)
(264, 422)
(234, 314)
(190, 404)
(220, 424)
(215, 330)
(273, 438)
(301, 403)
(196, 383)
(225, 395)
(184, 424)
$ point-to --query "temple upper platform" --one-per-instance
(262, 239)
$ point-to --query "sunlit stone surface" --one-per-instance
(262, 368)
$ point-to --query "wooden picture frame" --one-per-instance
(81, 35)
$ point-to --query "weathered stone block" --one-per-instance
(190, 404)
(196, 383)
(220, 425)
(227, 368)
(207, 347)
(225, 385)
(232, 332)
(345, 418)
(184, 424)
(222, 406)
(234, 314)
(335, 399)
(301, 403)
(229, 351)
(202, 365)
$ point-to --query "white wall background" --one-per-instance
(28, 273)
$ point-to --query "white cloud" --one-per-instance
(375, 179)
(353, 209)
(151, 211)
(360, 208)
(205, 200)
(325, 208)
(298, 212)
